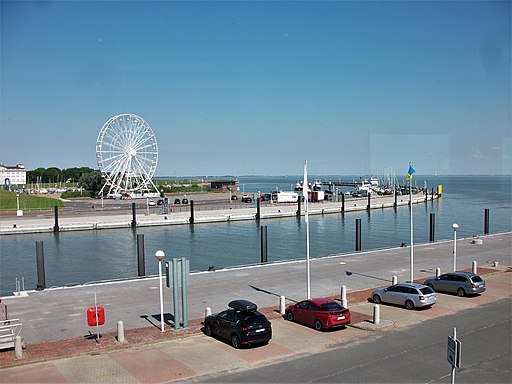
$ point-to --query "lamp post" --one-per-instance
(455, 226)
(160, 256)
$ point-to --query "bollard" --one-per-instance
(344, 296)
(432, 226)
(394, 280)
(282, 305)
(56, 214)
(368, 204)
(358, 235)
(342, 203)
(438, 272)
(207, 311)
(192, 217)
(18, 347)
(474, 267)
(263, 244)
(140, 255)
(41, 279)
(258, 208)
(120, 332)
(376, 314)
(134, 216)
(486, 221)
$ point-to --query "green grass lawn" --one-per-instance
(27, 202)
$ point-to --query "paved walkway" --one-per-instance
(54, 323)
(154, 357)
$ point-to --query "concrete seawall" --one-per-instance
(108, 220)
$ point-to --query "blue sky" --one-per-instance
(256, 87)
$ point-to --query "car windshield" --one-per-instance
(426, 290)
(476, 279)
(331, 306)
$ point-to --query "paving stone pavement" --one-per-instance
(151, 356)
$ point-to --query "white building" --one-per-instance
(13, 175)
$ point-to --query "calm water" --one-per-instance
(85, 256)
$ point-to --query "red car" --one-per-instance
(319, 313)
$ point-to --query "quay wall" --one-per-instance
(42, 224)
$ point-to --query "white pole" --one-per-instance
(305, 194)
(161, 294)
(412, 232)
(453, 365)
(455, 227)
(96, 315)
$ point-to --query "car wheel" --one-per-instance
(208, 329)
(289, 316)
(461, 292)
(235, 341)
(409, 304)
(318, 325)
(377, 299)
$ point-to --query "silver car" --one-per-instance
(461, 283)
(411, 295)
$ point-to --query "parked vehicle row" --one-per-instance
(242, 324)
(415, 295)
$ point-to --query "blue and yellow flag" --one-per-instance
(410, 172)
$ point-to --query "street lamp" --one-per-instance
(455, 226)
(160, 256)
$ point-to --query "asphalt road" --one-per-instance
(416, 354)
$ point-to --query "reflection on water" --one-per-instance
(79, 257)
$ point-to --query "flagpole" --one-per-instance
(412, 232)
(306, 194)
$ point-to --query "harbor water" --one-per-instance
(88, 256)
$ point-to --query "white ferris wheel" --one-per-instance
(127, 155)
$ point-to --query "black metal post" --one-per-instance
(432, 226)
(264, 258)
(342, 202)
(358, 235)
(134, 216)
(56, 215)
(140, 255)
(41, 280)
(368, 204)
(258, 209)
(396, 198)
(486, 221)
(191, 211)
(299, 203)
(432, 198)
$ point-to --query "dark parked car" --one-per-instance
(241, 324)
(319, 313)
(411, 295)
(234, 197)
(184, 201)
(246, 199)
(461, 283)
(177, 201)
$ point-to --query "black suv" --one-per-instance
(241, 323)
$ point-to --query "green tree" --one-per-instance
(91, 181)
